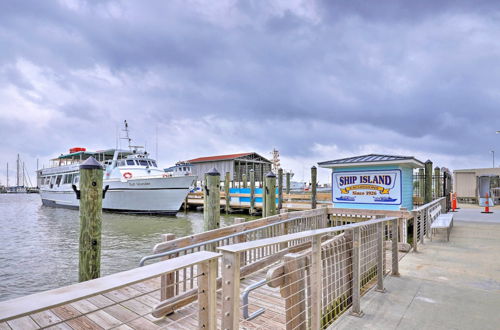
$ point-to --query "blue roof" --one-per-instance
(369, 159)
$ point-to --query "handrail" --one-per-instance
(26, 305)
(215, 240)
(422, 207)
(241, 247)
(244, 300)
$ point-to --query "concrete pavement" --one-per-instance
(453, 285)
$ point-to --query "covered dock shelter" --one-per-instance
(235, 164)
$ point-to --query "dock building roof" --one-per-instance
(244, 155)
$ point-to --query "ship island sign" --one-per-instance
(382, 187)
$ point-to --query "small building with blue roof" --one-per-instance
(374, 181)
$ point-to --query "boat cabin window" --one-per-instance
(130, 162)
(47, 181)
(76, 179)
(154, 163)
(121, 163)
(143, 162)
(58, 180)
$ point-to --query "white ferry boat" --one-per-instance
(136, 183)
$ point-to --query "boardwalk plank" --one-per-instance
(23, 323)
(121, 313)
(84, 306)
(104, 319)
(45, 318)
(83, 323)
(66, 312)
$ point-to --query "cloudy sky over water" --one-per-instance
(318, 80)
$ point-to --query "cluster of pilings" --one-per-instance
(212, 188)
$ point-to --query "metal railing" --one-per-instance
(354, 252)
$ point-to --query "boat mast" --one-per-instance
(17, 171)
(127, 137)
(7, 175)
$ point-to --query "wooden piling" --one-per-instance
(252, 191)
(227, 208)
(211, 196)
(244, 178)
(437, 182)
(91, 176)
(270, 194)
(428, 182)
(421, 183)
(288, 182)
(280, 188)
(314, 175)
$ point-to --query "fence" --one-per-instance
(319, 284)
(122, 299)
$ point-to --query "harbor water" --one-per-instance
(39, 244)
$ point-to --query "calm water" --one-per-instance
(39, 245)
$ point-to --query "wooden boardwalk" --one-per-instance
(130, 308)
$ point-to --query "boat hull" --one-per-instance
(139, 196)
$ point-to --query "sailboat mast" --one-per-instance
(7, 175)
(17, 171)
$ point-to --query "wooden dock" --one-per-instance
(292, 202)
(315, 265)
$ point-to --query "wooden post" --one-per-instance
(230, 290)
(252, 191)
(244, 178)
(167, 287)
(293, 291)
(280, 188)
(227, 208)
(437, 182)
(395, 260)
(207, 295)
(288, 182)
(316, 282)
(356, 272)
(380, 257)
(241, 239)
(314, 175)
(270, 192)
(421, 184)
(428, 182)
(91, 176)
(211, 196)
(263, 204)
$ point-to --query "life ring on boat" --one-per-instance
(127, 175)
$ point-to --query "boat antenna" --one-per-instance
(127, 137)
(129, 140)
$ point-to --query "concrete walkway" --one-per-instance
(453, 285)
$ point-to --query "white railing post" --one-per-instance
(423, 220)
(428, 222)
(316, 281)
(395, 260)
(416, 215)
(356, 276)
(380, 257)
(207, 303)
(230, 290)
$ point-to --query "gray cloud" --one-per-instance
(317, 80)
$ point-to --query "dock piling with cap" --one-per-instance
(91, 193)
(211, 196)
(270, 194)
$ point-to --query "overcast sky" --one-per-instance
(318, 80)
